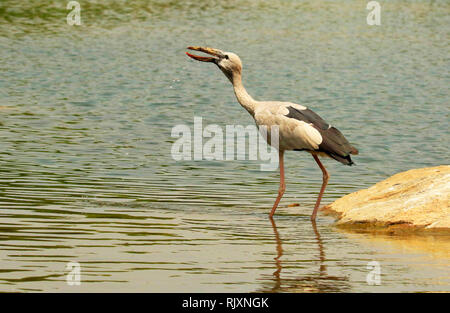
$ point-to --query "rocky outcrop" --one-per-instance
(415, 199)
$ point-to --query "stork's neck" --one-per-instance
(242, 95)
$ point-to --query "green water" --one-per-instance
(86, 173)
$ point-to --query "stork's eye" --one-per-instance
(226, 57)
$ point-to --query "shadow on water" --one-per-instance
(319, 281)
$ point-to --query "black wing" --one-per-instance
(333, 142)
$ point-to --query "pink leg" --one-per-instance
(324, 184)
(282, 184)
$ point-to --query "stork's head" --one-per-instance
(228, 62)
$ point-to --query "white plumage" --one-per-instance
(294, 134)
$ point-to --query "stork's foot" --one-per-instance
(314, 213)
(282, 184)
(277, 201)
(326, 176)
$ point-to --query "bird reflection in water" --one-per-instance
(314, 282)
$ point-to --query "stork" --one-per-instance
(299, 128)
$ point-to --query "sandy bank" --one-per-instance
(417, 199)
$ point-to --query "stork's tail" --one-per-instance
(347, 160)
(354, 151)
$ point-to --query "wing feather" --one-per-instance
(333, 141)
